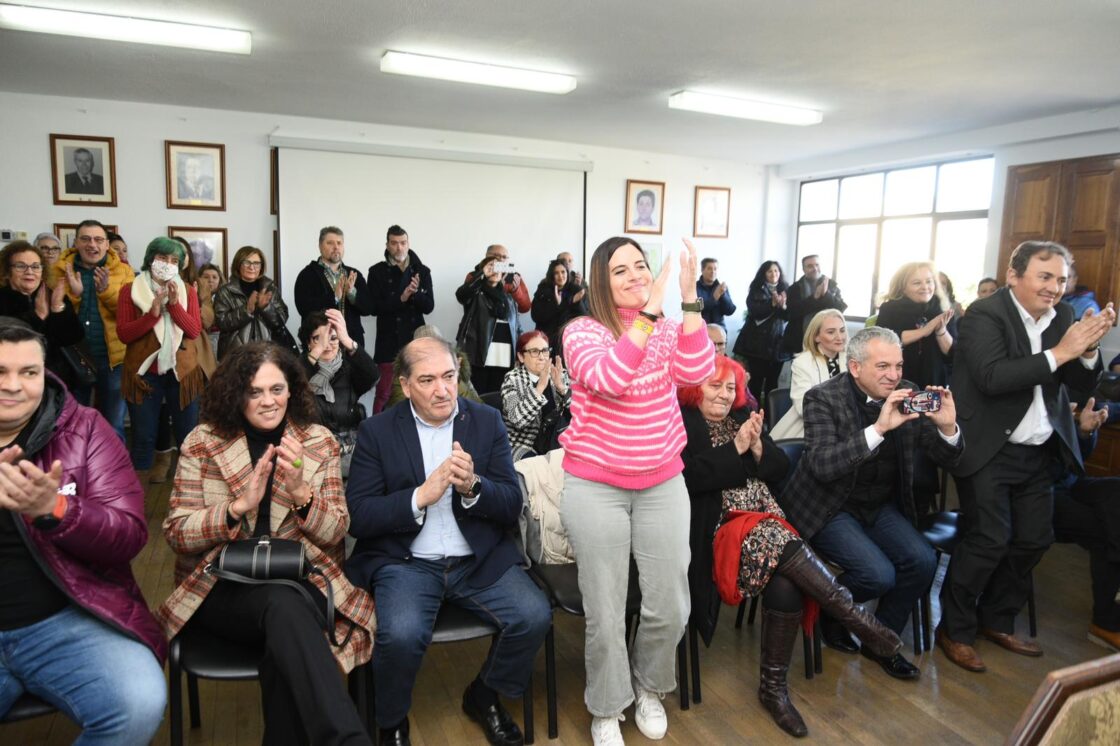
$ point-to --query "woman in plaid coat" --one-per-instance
(257, 465)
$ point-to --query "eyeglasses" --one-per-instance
(21, 267)
(536, 352)
(94, 240)
(251, 264)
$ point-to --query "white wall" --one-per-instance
(140, 129)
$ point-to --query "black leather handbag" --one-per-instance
(266, 559)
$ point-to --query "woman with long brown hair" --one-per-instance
(623, 485)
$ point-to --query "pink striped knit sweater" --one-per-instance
(626, 426)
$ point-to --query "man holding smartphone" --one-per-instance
(852, 495)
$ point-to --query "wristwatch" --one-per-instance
(475, 490)
(695, 306)
(50, 521)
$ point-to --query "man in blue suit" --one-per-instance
(433, 496)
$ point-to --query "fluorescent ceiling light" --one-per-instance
(120, 28)
(743, 109)
(404, 63)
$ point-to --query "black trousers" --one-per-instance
(764, 376)
(302, 692)
(1088, 514)
(1006, 524)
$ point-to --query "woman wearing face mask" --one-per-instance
(157, 319)
(623, 491)
(339, 372)
(823, 356)
(917, 310)
(533, 394)
(30, 291)
(248, 308)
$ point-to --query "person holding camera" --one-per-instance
(492, 296)
(852, 495)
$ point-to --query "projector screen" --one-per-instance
(451, 210)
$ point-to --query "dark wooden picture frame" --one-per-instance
(711, 212)
(274, 181)
(196, 175)
(1055, 691)
(96, 157)
(208, 245)
(276, 257)
(637, 219)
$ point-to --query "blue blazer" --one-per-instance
(388, 465)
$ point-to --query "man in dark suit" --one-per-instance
(432, 497)
(852, 496)
(83, 180)
(327, 283)
(813, 293)
(1014, 351)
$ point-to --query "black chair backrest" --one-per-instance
(793, 448)
(777, 404)
(493, 398)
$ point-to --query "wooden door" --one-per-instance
(1030, 210)
(1089, 221)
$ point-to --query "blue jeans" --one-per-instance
(145, 417)
(111, 685)
(408, 596)
(110, 403)
(888, 560)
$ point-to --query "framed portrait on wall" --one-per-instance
(645, 206)
(67, 231)
(196, 175)
(711, 211)
(83, 170)
(208, 245)
(275, 264)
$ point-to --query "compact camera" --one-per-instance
(921, 401)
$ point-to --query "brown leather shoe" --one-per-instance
(1104, 637)
(1013, 643)
(963, 655)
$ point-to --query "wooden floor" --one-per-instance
(852, 702)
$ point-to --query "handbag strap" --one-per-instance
(327, 623)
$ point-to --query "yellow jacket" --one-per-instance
(120, 274)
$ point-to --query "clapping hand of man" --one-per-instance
(719, 291)
(100, 279)
(411, 289)
(822, 287)
(24, 487)
(1090, 420)
(462, 469)
(74, 280)
(1081, 339)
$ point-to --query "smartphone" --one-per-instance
(503, 268)
(921, 401)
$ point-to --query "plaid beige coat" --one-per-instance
(214, 471)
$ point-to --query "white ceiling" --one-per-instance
(881, 70)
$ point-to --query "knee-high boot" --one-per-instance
(805, 570)
(779, 632)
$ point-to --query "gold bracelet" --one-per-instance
(643, 326)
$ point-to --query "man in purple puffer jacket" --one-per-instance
(74, 629)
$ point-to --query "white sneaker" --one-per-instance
(605, 731)
(649, 714)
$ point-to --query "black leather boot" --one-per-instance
(779, 632)
(805, 570)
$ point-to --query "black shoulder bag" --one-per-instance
(266, 559)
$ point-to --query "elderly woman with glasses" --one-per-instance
(29, 291)
(248, 308)
(534, 393)
(50, 246)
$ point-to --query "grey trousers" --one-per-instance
(605, 525)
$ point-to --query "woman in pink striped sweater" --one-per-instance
(623, 488)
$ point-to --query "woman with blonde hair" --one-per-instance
(823, 356)
(918, 311)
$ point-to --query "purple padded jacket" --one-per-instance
(88, 554)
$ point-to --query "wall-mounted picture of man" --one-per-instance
(83, 170)
(195, 175)
(208, 245)
(645, 206)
